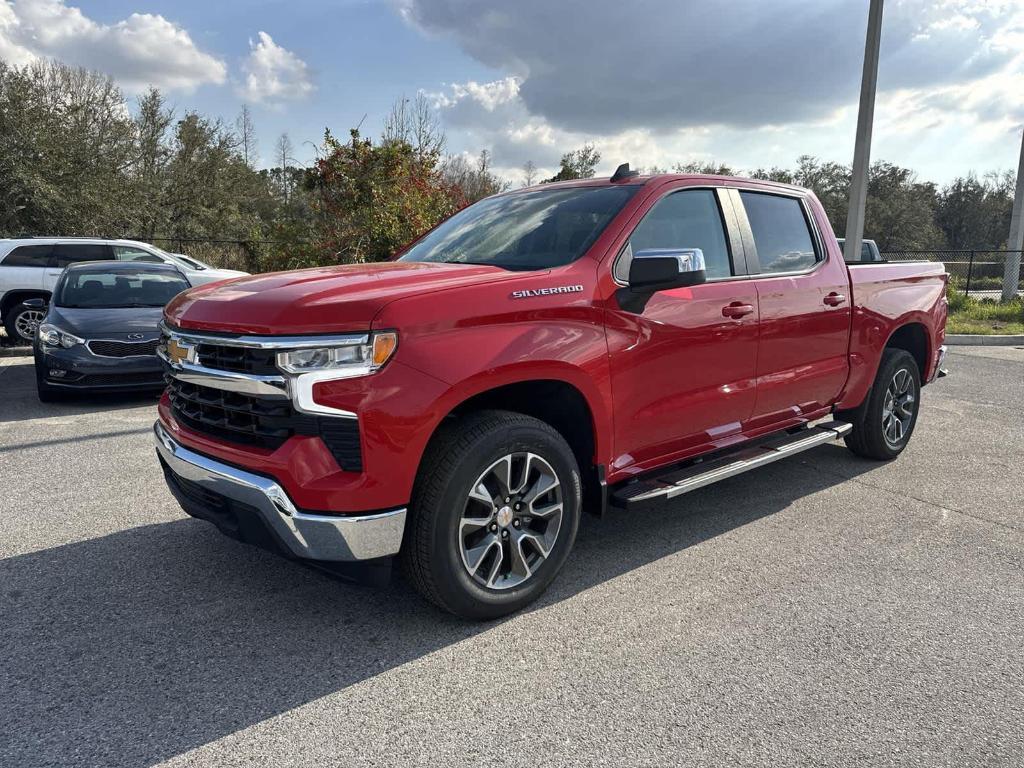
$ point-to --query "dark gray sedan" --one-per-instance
(102, 327)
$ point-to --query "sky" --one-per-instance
(750, 83)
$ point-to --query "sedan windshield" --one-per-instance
(123, 288)
(525, 230)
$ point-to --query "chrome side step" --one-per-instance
(680, 481)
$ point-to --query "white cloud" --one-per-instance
(274, 74)
(141, 50)
(11, 51)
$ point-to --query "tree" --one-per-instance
(152, 123)
(370, 199)
(245, 128)
(529, 173)
(66, 145)
(283, 157)
(475, 180)
(578, 164)
(975, 213)
(696, 166)
(900, 210)
(415, 124)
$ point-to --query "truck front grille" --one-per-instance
(261, 422)
(238, 359)
(236, 417)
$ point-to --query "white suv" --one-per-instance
(29, 269)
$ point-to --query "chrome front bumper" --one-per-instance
(306, 535)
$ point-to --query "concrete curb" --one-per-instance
(977, 340)
(15, 351)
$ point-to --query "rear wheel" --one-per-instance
(495, 514)
(884, 422)
(21, 323)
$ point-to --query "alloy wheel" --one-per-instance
(898, 407)
(27, 323)
(510, 521)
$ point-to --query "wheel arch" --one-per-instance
(557, 402)
(912, 337)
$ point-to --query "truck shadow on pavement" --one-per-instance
(138, 646)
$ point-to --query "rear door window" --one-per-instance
(782, 235)
(28, 256)
(71, 253)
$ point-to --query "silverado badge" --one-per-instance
(531, 292)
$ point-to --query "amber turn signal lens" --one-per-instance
(384, 345)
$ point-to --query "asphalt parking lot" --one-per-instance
(821, 611)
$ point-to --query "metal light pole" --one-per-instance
(862, 147)
(1011, 275)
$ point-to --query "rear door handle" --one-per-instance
(834, 299)
(737, 309)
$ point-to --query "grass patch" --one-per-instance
(985, 317)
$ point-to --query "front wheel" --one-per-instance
(495, 514)
(884, 422)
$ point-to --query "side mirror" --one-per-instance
(659, 269)
(35, 303)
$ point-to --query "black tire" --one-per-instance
(870, 437)
(458, 457)
(11, 323)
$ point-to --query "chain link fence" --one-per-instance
(977, 273)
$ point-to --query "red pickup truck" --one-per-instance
(570, 346)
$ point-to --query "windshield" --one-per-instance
(526, 230)
(123, 288)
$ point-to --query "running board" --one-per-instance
(680, 481)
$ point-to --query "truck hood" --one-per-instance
(319, 300)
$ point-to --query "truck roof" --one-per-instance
(643, 180)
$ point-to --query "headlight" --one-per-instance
(53, 336)
(348, 360)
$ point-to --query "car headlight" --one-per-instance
(53, 336)
(357, 358)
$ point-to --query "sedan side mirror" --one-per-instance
(35, 303)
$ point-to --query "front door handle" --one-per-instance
(737, 309)
(834, 299)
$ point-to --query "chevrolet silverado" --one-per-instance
(577, 345)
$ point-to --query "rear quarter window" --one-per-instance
(782, 235)
(28, 256)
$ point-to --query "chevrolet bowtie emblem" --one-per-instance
(179, 352)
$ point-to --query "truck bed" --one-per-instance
(887, 296)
